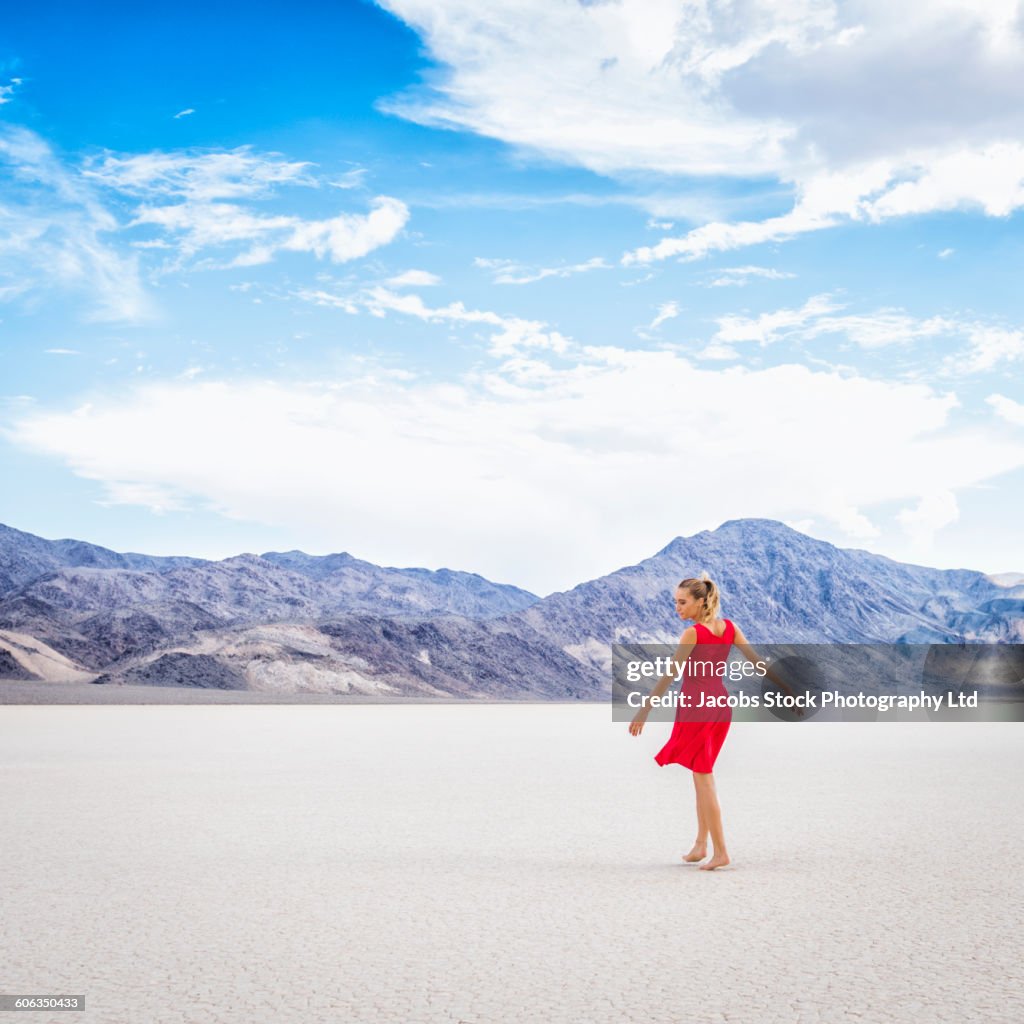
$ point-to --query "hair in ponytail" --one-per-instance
(703, 589)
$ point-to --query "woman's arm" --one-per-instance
(686, 644)
(752, 656)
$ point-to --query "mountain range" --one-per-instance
(294, 623)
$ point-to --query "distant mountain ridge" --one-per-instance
(25, 557)
(297, 623)
(782, 587)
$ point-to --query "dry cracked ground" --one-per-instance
(503, 863)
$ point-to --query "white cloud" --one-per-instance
(801, 525)
(1007, 409)
(932, 512)
(624, 95)
(851, 99)
(717, 351)
(990, 180)
(197, 175)
(768, 327)
(739, 276)
(987, 346)
(57, 227)
(204, 180)
(823, 201)
(62, 352)
(414, 279)
(851, 520)
(524, 472)
(7, 90)
(201, 225)
(944, 254)
(350, 179)
(319, 297)
(882, 327)
(748, 86)
(184, 113)
(511, 334)
(510, 272)
(666, 311)
(349, 236)
(55, 232)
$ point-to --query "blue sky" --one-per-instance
(525, 289)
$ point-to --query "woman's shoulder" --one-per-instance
(711, 626)
(719, 628)
(726, 625)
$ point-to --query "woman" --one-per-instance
(701, 726)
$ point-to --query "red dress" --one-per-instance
(700, 731)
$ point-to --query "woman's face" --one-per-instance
(687, 606)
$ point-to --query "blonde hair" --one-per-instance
(704, 589)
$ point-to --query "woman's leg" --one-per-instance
(700, 846)
(708, 799)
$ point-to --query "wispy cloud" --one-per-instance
(184, 113)
(666, 311)
(64, 226)
(739, 276)
(414, 279)
(817, 317)
(882, 327)
(823, 202)
(695, 204)
(987, 344)
(55, 232)
(769, 327)
(512, 333)
(6, 91)
(350, 179)
(511, 272)
(350, 236)
(990, 180)
(203, 219)
(320, 297)
(192, 227)
(197, 175)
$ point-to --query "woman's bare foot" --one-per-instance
(718, 861)
(699, 852)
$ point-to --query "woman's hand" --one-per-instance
(789, 692)
(637, 725)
